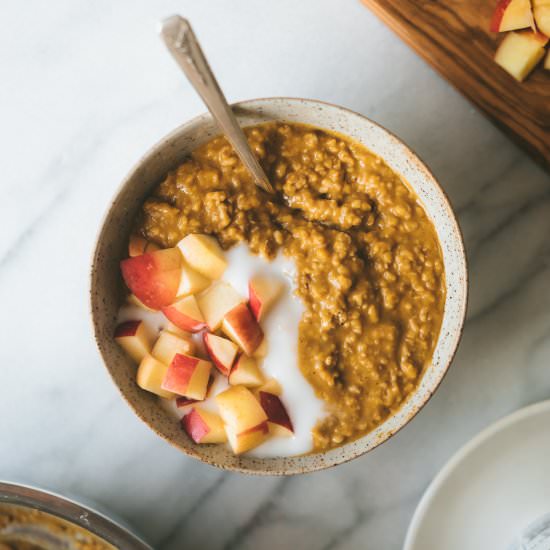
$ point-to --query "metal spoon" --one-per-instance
(184, 47)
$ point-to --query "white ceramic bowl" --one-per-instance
(107, 291)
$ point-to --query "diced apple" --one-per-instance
(191, 281)
(246, 372)
(239, 409)
(168, 345)
(510, 15)
(185, 314)
(182, 401)
(137, 245)
(244, 418)
(170, 327)
(188, 376)
(204, 254)
(204, 426)
(133, 300)
(271, 386)
(150, 375)
(216, 301)
(241, 326)
(153, 277)
(519, 53)
(245, 441)
(222, 352)
(262, 293)
(261, 350)
(541, 10)
(277, 415)
(134, 338)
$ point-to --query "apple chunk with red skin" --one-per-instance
(247, 440)
(182, 401)
(134, 338)
(188, 376)
(138, 245)
(511, 15)
(216, 301)
(204, 254)
(244, 418)
(185, 314)
(519, 52)
(262, 293)
(245, 372)
(168, 345)
(150, 375)
(204, 426)
(241, 326)
(153, 277)
(222, 352)
(277, 415)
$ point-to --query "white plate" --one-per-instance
(491, 489)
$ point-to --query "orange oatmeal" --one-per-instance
(369, 266)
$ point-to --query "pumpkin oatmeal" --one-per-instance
(369, 267)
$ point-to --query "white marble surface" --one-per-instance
(86, 88)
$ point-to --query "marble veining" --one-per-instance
(86, 88)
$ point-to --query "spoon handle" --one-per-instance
(184, 47)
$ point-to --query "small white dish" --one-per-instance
(491, 490)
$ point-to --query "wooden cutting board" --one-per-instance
(453, 36)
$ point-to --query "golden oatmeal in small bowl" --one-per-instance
(368, 268)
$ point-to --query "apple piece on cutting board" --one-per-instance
(519, 52)
(541, 10)
(511, 15)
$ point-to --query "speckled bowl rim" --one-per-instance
(319, 461)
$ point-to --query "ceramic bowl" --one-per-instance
(107, 290)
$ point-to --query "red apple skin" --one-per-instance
(128, 328)
(247, 330)
(153, 277)
(179, 373)
(275, 410)
(263, 427)
(194, 426)
(254, 302)
(182, 401)
(182, 321)
(224, 369)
